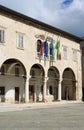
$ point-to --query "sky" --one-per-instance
(67, 15)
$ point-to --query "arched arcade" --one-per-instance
(12, 81)
(68, 85)
(36, 83)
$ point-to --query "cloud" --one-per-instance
(73, 17)
(64, 14)
(66, 3)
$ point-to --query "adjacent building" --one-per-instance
(37, 61)
(82, 61)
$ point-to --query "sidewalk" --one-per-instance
(5, 107)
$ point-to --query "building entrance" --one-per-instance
(16, 94)
(68, 85)
(31, 93)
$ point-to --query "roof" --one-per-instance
(28, 20)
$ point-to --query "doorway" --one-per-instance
(16, 94)
(31, 93)
(68, 85)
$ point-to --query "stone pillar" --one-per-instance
(59, 91)
(44, 89)
(27, 90)
(35, 94)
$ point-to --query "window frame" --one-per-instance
(20, 40)
(17, 70)
(65, 56)
(2, 35)
(2, 90)
(74, 55)
(2, 70)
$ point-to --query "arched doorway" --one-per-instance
(52, 83)
(12, 81)
(36, 83)
(68, 85)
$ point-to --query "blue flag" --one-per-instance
(46, 48)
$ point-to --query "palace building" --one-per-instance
(38, 62)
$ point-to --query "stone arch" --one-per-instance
(52, 83)
(36, 83)
(68, 85)
(13, 79)
(11, 63)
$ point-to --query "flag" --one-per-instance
(52, 48)
(59, 55)
(41, 48)
(46, 48)
(58, 45)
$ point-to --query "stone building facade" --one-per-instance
(82, 61)
(37, 61)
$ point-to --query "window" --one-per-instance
(32, 73)
(1, 36)
(2, 70)
(64, 52)
(74, 55)
(39, 47)
(17, 70)
(2, 90)
(20, 40)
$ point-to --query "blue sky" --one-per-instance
(67, 15)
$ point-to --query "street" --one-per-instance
(55, 117)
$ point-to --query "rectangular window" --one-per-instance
(40, 48)
(1, 35)
(2, 90)
(2, 70)
(74, 55)
(65, 53)
(20, 40)
(17, 71)
(32, 73)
